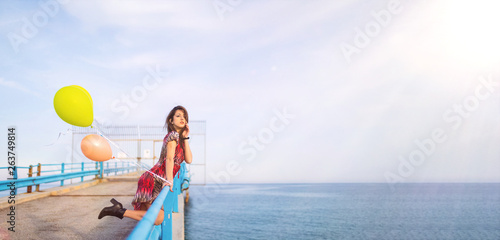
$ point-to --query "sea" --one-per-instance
(452, 211)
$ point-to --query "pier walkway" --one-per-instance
(70, 212)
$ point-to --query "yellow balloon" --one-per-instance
(84, 90)
(73, 104)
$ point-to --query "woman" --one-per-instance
(175, 149)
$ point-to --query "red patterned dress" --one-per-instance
(149, 186)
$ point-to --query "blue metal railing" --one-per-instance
(145, 229)
(96, 169)
(25, 182)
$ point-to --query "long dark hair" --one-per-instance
(170, 126)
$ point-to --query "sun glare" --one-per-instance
(471, 30)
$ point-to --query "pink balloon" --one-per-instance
(96, 148)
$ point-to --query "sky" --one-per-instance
(291, 91)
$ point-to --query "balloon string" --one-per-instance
(59, 136)
(116, 145)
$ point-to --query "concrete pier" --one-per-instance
(70, 212)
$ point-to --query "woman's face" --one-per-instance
(179, 121)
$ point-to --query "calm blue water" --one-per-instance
(344, 211)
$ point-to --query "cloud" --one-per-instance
(182, 33)
(17, 86)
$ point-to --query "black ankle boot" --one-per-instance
(116, 210)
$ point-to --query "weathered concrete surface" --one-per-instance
(178, 220)
(73, 214)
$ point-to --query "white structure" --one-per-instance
(142, 144)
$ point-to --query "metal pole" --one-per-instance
(83, 169)
(101, 171)
(62, 171)
(72, 150)
(138, 147)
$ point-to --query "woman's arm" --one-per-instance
(169, 167)
(188, 156)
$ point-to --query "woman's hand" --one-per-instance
(168, 184)
(185, 133)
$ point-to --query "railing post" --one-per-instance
(97, 167)
(101, 171)
(128, 167)
(116, 168)
(15, 175)
(30, 174)
(175, 188)
(39, 170)
(178, 187)
(166, 226)
(107, 167)
(62, 171)
(83, 169)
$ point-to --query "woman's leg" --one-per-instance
(139, 214)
